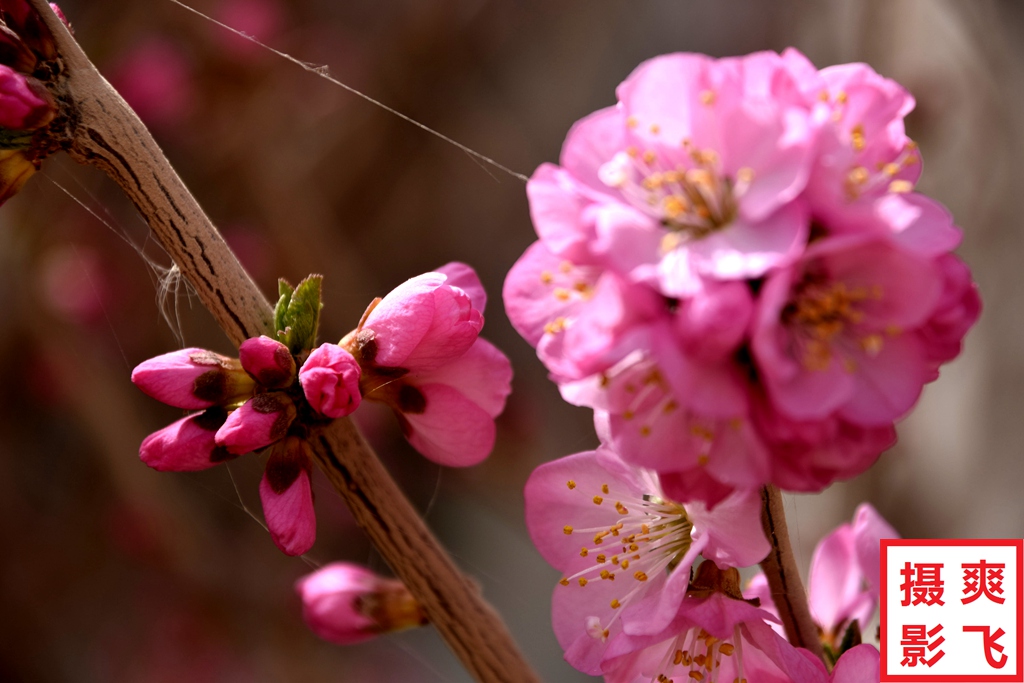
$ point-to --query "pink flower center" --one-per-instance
(691, 201)
(646, 535)
(821, 314)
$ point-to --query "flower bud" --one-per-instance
(268, 361)
(287, 496)
(24, 102)
(193, 379)
(258, 423)
(187, 445)
(345, 604)
(330, 380)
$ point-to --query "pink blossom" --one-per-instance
(260, 422)
(330, 381)
(192, 379)
(609, 528)
(713, 638)
(696, 172)
(831, 331)
(420, 353)
(268, 361)
(24, 102)
(347, 604)
(287, 496)
(187, 445)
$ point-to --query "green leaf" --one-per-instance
(302, 315)
(285, 292)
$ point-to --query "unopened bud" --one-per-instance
(193, 379)
(24, 102)
(330, 381)
(345, 604)
(268, 361)
(187, 445)
(260, 422)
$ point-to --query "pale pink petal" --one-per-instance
(591, 142)
(749, 249)
(732, 528)
(542, 287)
(834, 583)
(289, 514)
(869, 528)
(918, 223)
(465, 278)
(483, 375)
(857, 665)
(556, 207)
(403, 317)
(451, 429)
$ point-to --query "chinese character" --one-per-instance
(916, 645)
(990, 644)
(924, 581)
(983, 578)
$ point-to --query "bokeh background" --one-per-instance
(112, 572)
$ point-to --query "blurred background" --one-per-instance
(112, 572)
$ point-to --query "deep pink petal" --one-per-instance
(290, 516)
(187, 445)
(888, 383)
(732, 528)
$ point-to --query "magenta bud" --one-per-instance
(345, 604)
(193, 379)
(24, 102)
(268, 361)
(258, 423)
(187, 445)
(287, 496)
(330, 380)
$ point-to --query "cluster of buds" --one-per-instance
(735, 272)
(27, 54)
(417, 350)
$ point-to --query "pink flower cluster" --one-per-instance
(417, 350)
(735, 272)
(635, 606)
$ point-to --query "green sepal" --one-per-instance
(297, 315)
(285, 292)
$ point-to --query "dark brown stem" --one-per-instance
(784, 581)
(104, 132)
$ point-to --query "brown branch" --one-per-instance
(101, 130)
(784, 581)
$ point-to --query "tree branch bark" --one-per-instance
(784, 581)
(101, 130)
